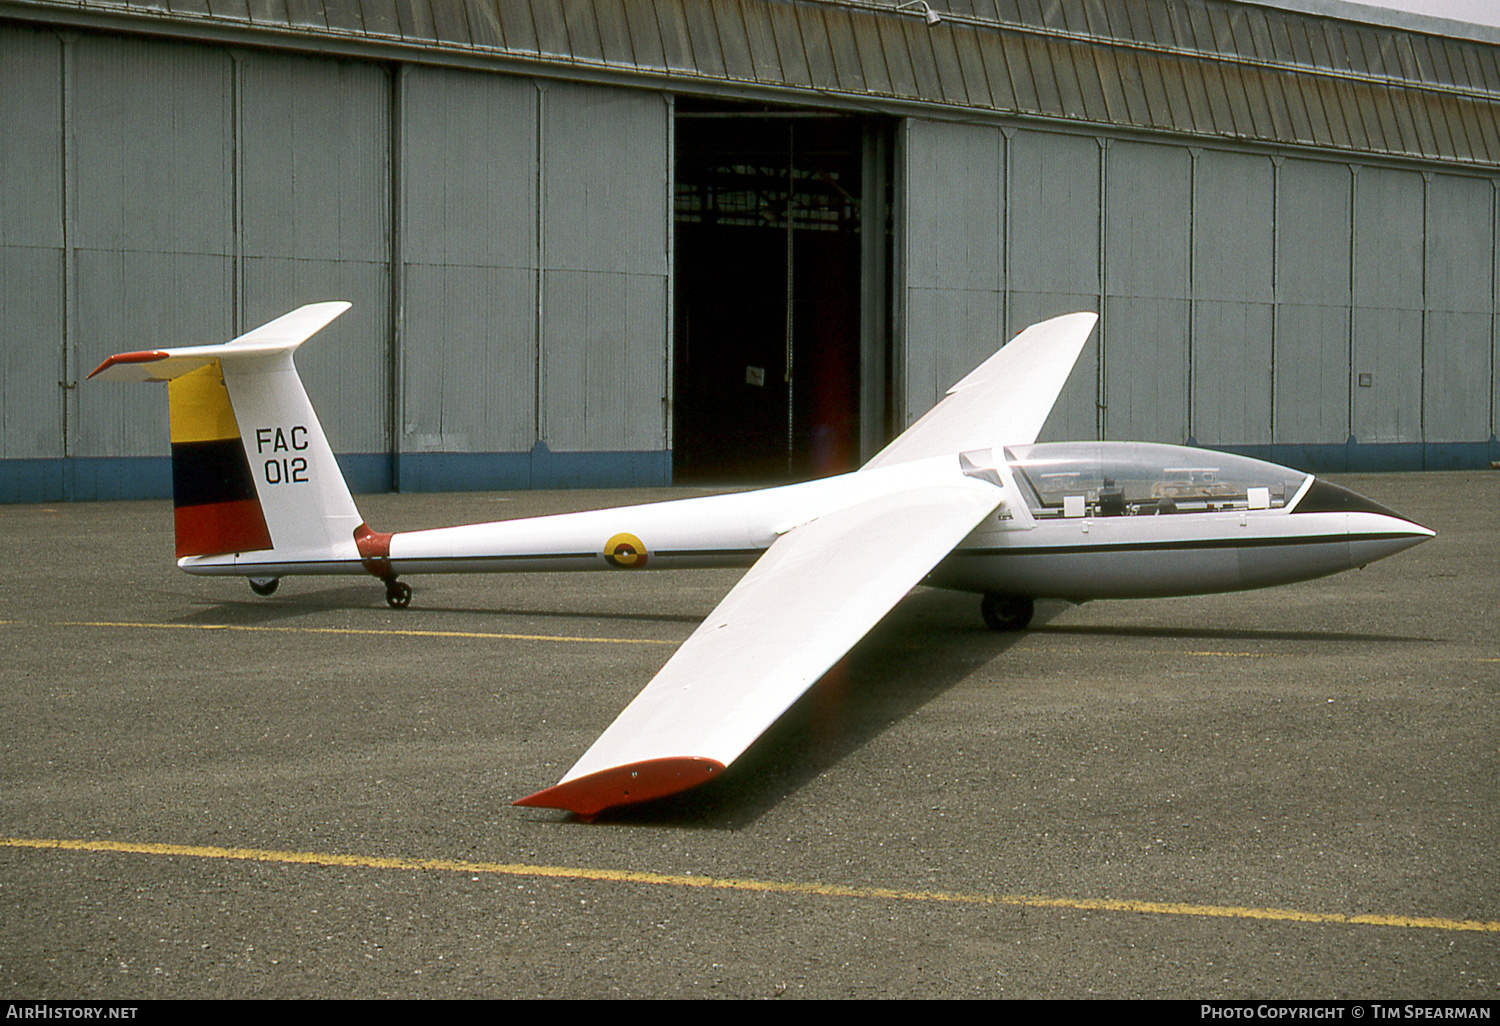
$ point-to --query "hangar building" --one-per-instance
(642, 241)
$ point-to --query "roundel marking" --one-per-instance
(625, 551)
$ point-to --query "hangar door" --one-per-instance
(781, 321)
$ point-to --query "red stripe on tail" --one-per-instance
(221, 527)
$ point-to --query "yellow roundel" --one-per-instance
(625, 551)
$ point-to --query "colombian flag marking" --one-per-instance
(625, 551)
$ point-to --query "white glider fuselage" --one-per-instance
(1092, 550)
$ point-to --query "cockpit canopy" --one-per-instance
(1102, 479)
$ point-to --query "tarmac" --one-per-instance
(1280, 794)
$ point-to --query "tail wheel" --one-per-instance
(397, 594)
(1007, 612)
(264, 586)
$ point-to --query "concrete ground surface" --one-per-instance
(1287, 793)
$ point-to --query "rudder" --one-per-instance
(253, 475)
(215, 505)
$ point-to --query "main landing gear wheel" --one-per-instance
(264, 586)
(1007, 612)
(397, 594)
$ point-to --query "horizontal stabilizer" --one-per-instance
(284, 334)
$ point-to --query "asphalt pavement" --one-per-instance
(1292, 793)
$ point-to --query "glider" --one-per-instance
(965, 499)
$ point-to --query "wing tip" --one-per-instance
(145, 356)
(634, 782)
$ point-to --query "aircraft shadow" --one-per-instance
(1226, 634)
(929, 643)
(255, 611)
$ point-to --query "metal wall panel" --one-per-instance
(605, 227)
(1148, 199)
(605, 383)
(1231, 373)
(31, 153)
(1459, 277)
(470, 345)
(1054, 216)
(1312, 377)
(605, 155)
(945, 329)
(1233, 265)
(315, 186)
(1145, 377)
(1233, 226)
(1388, 301)
(32, 366)
(1077, 412)
(955, 187)
(315, 159)
(346, 367)
(1148, 195)
(1054, 228)
(154, 143)
(469, 336)
(1312, 374)
(954, 254)
(152, 245)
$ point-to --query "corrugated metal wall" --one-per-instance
(606, 240)
(148, 222)
(314, 224)
(1255, 295)
(470, 251)
(32, 360)
(1257, 301)
(169, 194)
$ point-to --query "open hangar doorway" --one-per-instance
(781, 285)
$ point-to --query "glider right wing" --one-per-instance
(818, 589)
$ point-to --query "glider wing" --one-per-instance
(1003, 401)
(817, 590)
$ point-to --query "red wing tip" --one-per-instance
(625, 785)
(145, 356)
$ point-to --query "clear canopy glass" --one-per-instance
(1102, 479)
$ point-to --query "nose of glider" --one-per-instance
(1375, 531)
(1374, 536)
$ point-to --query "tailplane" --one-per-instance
(253, 476)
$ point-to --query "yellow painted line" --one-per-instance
(497, 636)
(1165, 908)
(494, 636)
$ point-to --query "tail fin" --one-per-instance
(252, 471)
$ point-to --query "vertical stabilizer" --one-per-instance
(302, 491)
(252, 471)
